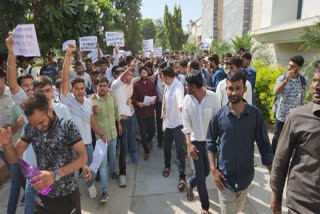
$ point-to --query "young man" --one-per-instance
(250, 72)
(106, 112)
(145, 113)
(79, 72)
(54, 141)
(172, 124)
(290, 90)
(232, 131)
(218, 73)
(27, 68)
(298, 157)
(48, 70)
(198, 107)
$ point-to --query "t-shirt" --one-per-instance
(53, 151)
(50, 72)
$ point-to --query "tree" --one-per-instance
(220, 47)
(148, 29)
(160, 37)
(245, 41)
(173, 28)
(190, 48)
(311, 37)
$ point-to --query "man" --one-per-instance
(107, 115)
(250, 72)
(233, 64)
(232, 131)
(298, 157)
(79, 72)
(54, 141)
(218, 73)
(290, 91)
(48, 70)
(27, 68)
(122, 88)
(81, 111)
(59, 64)
(145, 113)
(172, 124)
(198, 107)
(50, 58)
(194, 65)
(89, 67)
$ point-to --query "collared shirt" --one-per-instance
(236, 144)
(196, 116)
(81, 115)
(172, 103)
(159, 87)
(292, 96)
(222, 93)
(217, 76)
(140, 90)
(107, 115)
(53, 150)
(123, 93)
(298, 157)
(28, 70)
(6, 103)
(251, 75)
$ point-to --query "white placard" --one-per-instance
(157, 52)
(147, 54)
(98, 155)
(93, 55)
(148, 45)
(149, 100)
(25, 41)
(64, 45)
(128, 53)
(114, 39)
(88, 43)
(205, 44)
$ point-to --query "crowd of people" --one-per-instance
(205, 105)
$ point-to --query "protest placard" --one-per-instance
(25, 41)
(157, 52)
(88, 43)
(94, 55)
(114, 39)
(64, 45)
(205, 44)
(148, 45)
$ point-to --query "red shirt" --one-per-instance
(140, 90)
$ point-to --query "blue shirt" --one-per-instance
(251, 75)
(217, 76)
(236, 144)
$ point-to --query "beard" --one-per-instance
(143, 78)
(235, 99)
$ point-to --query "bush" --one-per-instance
(265, 82)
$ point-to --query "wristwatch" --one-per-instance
(57, 175)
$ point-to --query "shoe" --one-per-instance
(114, 176)
(133, 157)
(104, 197)
(146, 156)
(92, 191)
(122, 181)
(22, 201)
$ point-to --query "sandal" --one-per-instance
(166, 172)
(190, 195)
(182, 185)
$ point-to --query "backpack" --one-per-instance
(276, 98)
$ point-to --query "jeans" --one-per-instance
(127, 141)
(29, 196)
(112, 152)
(232, 202)
(89, 149)
(147, 131)
(202, 169)
(177, 135)
(277, 132)
(17, 181)
(159, 123)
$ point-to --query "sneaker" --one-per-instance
(122, 181)
(92, 191)
(133, 157)
(104, 197)
(114, 176)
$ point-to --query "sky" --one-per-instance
(154, 9)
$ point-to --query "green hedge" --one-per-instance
(265, 82)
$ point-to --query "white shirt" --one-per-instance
(222, 93)
(85, 76)
(33, 72)
(173, 98)
(196, 116)
(81, 115)
(123, 92)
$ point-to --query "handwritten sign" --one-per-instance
(205, 44)
(114, 39)
(64, 45)
(157, 52)
(88, 43)
(25, 41)
(148, 45)
(94, 55)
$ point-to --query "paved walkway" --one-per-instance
(148, 192)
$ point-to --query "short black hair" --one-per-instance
(58, 83)
(102, 61)
(77, 80)
(194, 64)
(234, 60)
(102, 79)
(38, 101)
(22, 77)
(168, 72)
(183, 62)
(77, 63)
(214, 58)
(2, 73)
(123, 63)
(241, 49)
(247, 55)
(129, 59)
(194, 78)
(228, 55)
(235, 76)
(299, 60)
(148, 64)
(41, 82)
(163, 65)
(88, 60)
(143, 68)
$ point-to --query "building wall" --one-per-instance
(232, 18)
(310, 8)
(283, 11)
(207, 19)
(195, 31)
